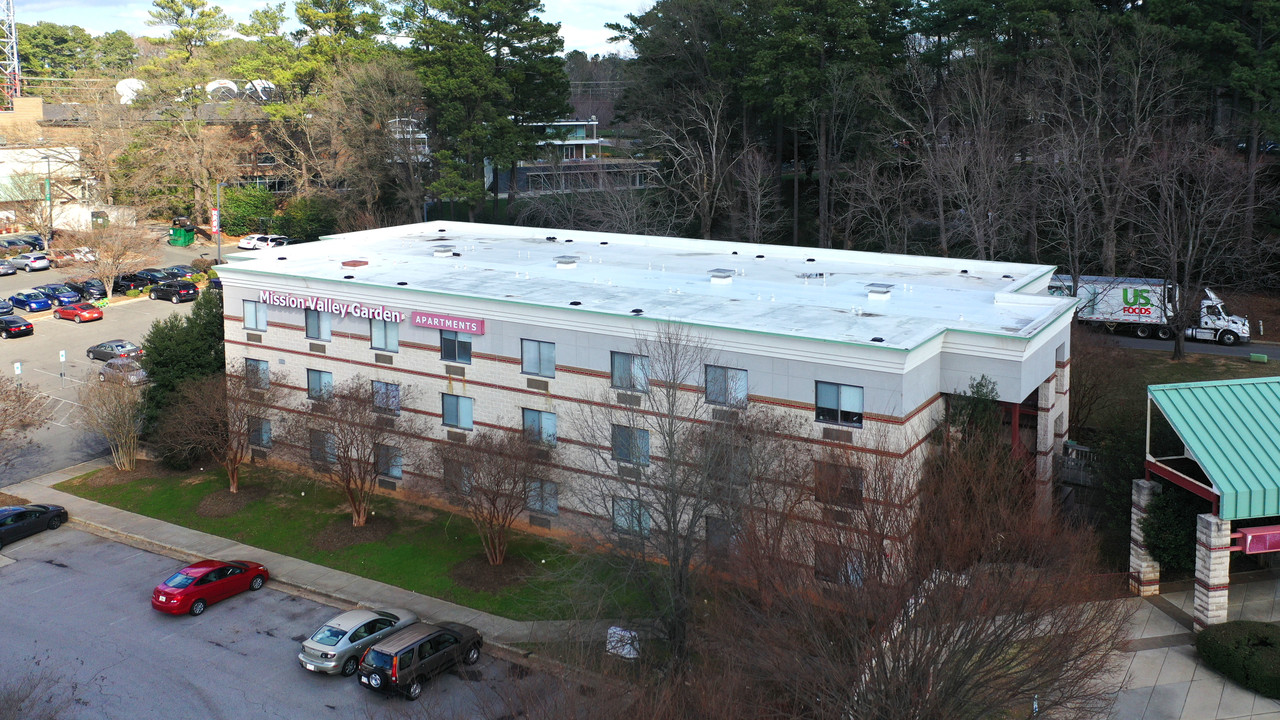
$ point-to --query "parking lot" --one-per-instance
(61, 443)
(79, 605)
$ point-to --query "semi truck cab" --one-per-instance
(1218, 325)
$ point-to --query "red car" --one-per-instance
(80, 312)
(196, 587)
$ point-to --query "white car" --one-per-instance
(257, 241)
(84, 254)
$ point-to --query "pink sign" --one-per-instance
(448, 322)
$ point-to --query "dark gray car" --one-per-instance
(404, 662)
(113, 349)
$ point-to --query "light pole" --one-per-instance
(217, 214)
(48, 196)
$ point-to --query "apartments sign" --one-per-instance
(329, 305)
(472, 326)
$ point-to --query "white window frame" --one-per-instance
(325, 390)
(538, 357)
(255, 316)
(726, 386)
(455, 347)
(461, 407)
(384, 335)
(319, 325)
(628, 371)
(840, 403)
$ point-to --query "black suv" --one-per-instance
(401, 663)
(175, 291)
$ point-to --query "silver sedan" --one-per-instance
(31, 261)
(7, 268)
(337, 646)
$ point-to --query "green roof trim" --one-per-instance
(1231, 428)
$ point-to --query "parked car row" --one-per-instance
(393, 651)
(19, 521)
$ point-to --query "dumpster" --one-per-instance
(182, 235)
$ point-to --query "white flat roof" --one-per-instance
(834, 295)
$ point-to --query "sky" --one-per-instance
(581, 21)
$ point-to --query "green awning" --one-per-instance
(1231, 429)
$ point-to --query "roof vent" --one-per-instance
(575, 303)
(604, 242)
(878, 291)
(443, 250)
(551, 237)
(348, 277)
(566, 262)
(568, 240)
(877, 339)
(759, 257)
(1007, 277)
(354, 263)
(637, 311)
(282, 258)
(441, 230)
(811, 260)
(402, 283)
(735, 252)
(721, 277)
(964, 272)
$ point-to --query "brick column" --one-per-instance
(1213, 566)
(1144, 572)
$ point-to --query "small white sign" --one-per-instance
(215, 220)
(62, 356)
(17, 368)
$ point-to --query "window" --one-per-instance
(542, 496)
(538, 358)
(386, 398)
(630, 516)
(389, 459)
(455, 346)
(839, 404)
(837, 484)
(319, 385)
(457, 410)
(835, 564)
(255, 315)
(540, 427)
(719, 537)
(324, 447)
(257, 373)
(259, 432)
(318, 325)
(459, 476)
(629, 372)
(630, 445)
(384, 335)
(726, 386)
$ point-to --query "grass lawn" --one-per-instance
(415, 548)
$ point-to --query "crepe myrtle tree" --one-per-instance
(674, 453)
(22, 414)
(354, 434)
(491, 472)
(233, 415)
(113, 411)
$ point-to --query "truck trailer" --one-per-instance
(1144, 307)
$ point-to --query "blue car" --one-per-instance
(58, 294)
(31, 301)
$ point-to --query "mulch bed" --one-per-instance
(7, 499)
(475, 573)
(223, 503)
(142, 469)
(342, 534)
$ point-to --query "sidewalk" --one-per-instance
(327, 585)
(1162, 674)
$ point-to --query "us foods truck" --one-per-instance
(1144, 308)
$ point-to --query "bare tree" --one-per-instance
(1190, 207)
(32, 210)
(602, 200)
(114, 412)
(119, 250)
(355, 434)
(492, 471)
(696, 145)
(877, 198)
(757, 204)
(914, 593)
(22, 413)
(233, 416)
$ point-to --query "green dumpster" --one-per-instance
(182, 236)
